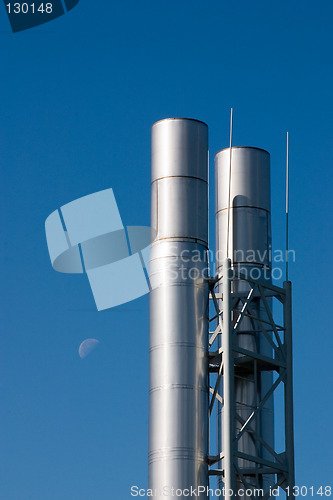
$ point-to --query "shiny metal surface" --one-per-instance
(178, 398)
(185, 195)
(249, 248)
(250, 178)
(179, 148)
(250, 206)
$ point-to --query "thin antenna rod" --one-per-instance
(229, 194)
(287, 209)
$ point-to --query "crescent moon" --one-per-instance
(87, 346)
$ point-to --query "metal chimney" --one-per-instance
(243, 234)
(178, 397)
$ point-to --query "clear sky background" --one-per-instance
(78, 98)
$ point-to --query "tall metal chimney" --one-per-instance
(178, 397)
(243, 234)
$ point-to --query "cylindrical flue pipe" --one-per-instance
(243, 234)
(178, 398)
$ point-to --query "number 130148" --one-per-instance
(29, 8)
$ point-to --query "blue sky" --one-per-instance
(79, 96)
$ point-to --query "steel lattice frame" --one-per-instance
(227, 359)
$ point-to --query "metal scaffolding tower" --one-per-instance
(230, 361)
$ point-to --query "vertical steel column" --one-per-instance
(289, 405)
(179, 398)
(228, 386)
